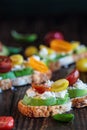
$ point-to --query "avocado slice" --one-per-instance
(44, 102)
(23, 72)
(73, 93)
(4, 51)
(8, 75)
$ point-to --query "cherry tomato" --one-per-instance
(17, 59)
(6, 123)
(59, 85)
(5, 64)
(81, 65)
(53, 35)
(73, 76)
(40, 88)
(31, 50)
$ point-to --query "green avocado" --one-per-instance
(5, 51)
(23, 72)
(44, 102)
(8, 75)
(73, 93)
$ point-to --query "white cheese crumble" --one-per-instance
(49, 83)
(52, 56)
(18, 67)
(43, 52)
(36, 57)
(79, 85)
(47, 94)
(0, 78)
(66, 60)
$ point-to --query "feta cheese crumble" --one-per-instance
(79, 85)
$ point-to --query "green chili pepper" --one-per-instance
(63, 117)
(22, 37)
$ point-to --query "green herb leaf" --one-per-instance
(22, 37)
(63, 117)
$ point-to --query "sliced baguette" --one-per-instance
(5, 84)
(79, 102)
(43, 111)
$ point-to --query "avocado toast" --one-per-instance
(44, 100)
(77, 90)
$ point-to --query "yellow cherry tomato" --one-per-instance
(75, 44)
(38, 65)
(31, 50)
(81, 65)
(60, 45)
(17, 59)
(59, 85)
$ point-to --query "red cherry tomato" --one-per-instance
(53, 35)
(40, 88)
(73, 76)
(5, 64)
(6, 123)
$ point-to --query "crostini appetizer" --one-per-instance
(47, 99)
(62, 53)
(77, 90)
(14, 71)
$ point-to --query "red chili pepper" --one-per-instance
(6, 122)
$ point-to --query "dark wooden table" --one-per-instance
(74, 29)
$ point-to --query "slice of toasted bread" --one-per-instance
(43, 111)
(79, 102)
(39, 77)
(5, 84)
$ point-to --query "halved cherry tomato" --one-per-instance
(38, 65)
(81, 65)
(6, 123)
(59, 85)
(17, 59)
(73, 77)
(5, 64)
(40, 88)
(61, 46)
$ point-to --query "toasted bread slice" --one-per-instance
(43, 111)
(79, 102)
(5, 84)
(39, 77)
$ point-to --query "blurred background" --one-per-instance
(42, 16)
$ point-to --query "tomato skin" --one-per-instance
(73, 77)
(53, 35)
(40, 88)
(5, 64)
(6, 122)
(81, 65)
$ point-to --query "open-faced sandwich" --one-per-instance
(77, 90)
(62, 53)
(47, 99)
(14, 71)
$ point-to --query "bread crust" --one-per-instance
(5, 84)
(43, 111)
(79, 102)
